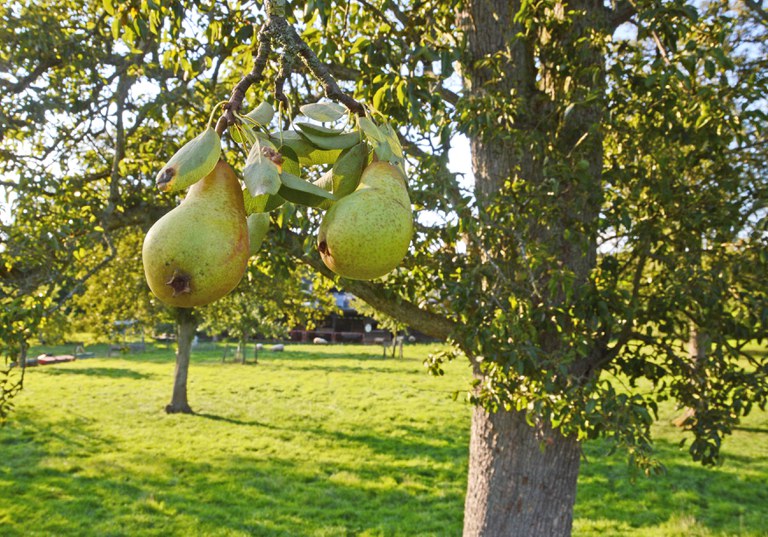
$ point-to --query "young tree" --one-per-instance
(611, 144)
(269, 301)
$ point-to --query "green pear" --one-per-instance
(366, 234)
(198, 252)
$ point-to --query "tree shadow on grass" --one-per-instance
(234, 421)
(110, 372)
(267, 494)
(351, 368)
(728, 500)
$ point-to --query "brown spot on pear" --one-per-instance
(198, 252)
(366, 234)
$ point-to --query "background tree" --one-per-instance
(269, 302)
(610, 146)
(119, 292)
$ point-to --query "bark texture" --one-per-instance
(186, 323)
(522, 481)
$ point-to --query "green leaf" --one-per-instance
(339, 140)
(291, 162)
(258, 226)
(261, 177)
(261, 204)
(308, 154)
(262, 114)
(326, 183)
(393, 140)
(379, 96)
(242, 134)
(318, 130)
(323, 111)
(401, 96)
(116, 28)
(347, 170)
(370, 129)
(299, 191)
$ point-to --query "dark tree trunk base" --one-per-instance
(181, 409)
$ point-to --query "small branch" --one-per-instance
(277, 32)
(375, 294)
(660, 46)
(256, 75)
(124, 83)
(286, 66)
(294, 44)
(761, 13)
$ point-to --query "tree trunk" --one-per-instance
(522, 481)
(242, 347)
(186, 323)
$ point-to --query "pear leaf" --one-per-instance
(261, 176)
(384, 152)
(236, 134)
(327, 140)
(258, 226)
(323, 111)
(243, 134)
(393, 140)
(317, 130)
(326, 183)
(370, 129)
(308, 154)
(348, 168)
(262, 203)
(291, 162)
(262, 114)
(299, 191)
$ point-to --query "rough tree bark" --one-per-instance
(186, 323)
(522, 481)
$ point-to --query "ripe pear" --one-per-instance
(198, 252)
(366, 234)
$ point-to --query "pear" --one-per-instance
(198, 252)
(366, 234)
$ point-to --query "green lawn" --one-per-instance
(314, 441)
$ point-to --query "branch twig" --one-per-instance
(274, 33)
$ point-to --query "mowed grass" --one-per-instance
(314, 441)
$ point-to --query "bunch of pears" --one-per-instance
(199, 251)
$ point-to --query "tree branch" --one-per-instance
(376, 295)
(622, 12)
(757, 9)
(27, 81)
(277, 32)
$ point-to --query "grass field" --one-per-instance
(314, 441)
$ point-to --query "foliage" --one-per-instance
(269, 301)
(118, 292)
